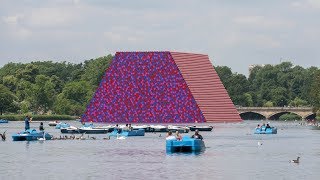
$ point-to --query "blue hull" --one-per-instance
(272, 130)
(30, 135)
(187, 144)
(3, 121)
(139, 132)
(62, 125)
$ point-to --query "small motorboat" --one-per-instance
(187, 144)
(92, 130)
(264, 130)
(158, 128)
(3, 121)
(70, 130)
(31, 135)
(53, 123)
(180, 129)
(125, 133)
(200, 128)
(62, 125)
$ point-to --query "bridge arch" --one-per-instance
(276, 116)
(251, 115)
(310, 116)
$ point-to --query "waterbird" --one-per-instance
(106, 138)
(3, 136)
(295, 160)
(93, 138)
(259, 143)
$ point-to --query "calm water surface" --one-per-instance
(232, 153)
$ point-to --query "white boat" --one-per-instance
(53, 123)
(158, 128)
(180, 129)
(91, 130)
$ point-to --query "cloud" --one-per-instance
(51, 17)
(12, 20)
(306, 4)
(264, 22)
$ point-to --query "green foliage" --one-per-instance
(43, 87)
(289, 116)
(268, 104)
(298, 102)
(74, 98)
(7, 100)
(37, 117)
(94, 69)
(315, 90)
(237, 86)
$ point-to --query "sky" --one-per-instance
(233, 33)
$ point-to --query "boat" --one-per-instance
(53, 123)
(70, 130)
(3, 121)
(180, 129)
(145, 127)
(62, 125)
(31, 135)
(92, 130)
(109, 127)
(200, 128)
(264, 130)
(116, 132)
(158, 128)
(187, 144)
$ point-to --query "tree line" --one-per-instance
(46, 87)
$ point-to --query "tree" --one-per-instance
(95, 69)
(298, 102)
(43, 94)
(268, 104)
(10, 82)
(7, 99)
(74, 98)
(315, 93)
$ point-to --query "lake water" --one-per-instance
(232, 153)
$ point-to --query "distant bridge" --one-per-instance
(275, 112)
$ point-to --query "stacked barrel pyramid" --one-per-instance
(160, 87)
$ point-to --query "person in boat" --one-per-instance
(178, 136)
(41, 127)
(170, 136)
(268, 126)
(130, 127)
(258, 126)
(27, 123)
(197, 135)
(126, 128)
(118, 129)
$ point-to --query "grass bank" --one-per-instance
(37, 117)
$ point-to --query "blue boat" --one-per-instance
(3, 121)
(62, 125)
(187, 144)
(30, 135)
(139, 132)
(264, 130)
